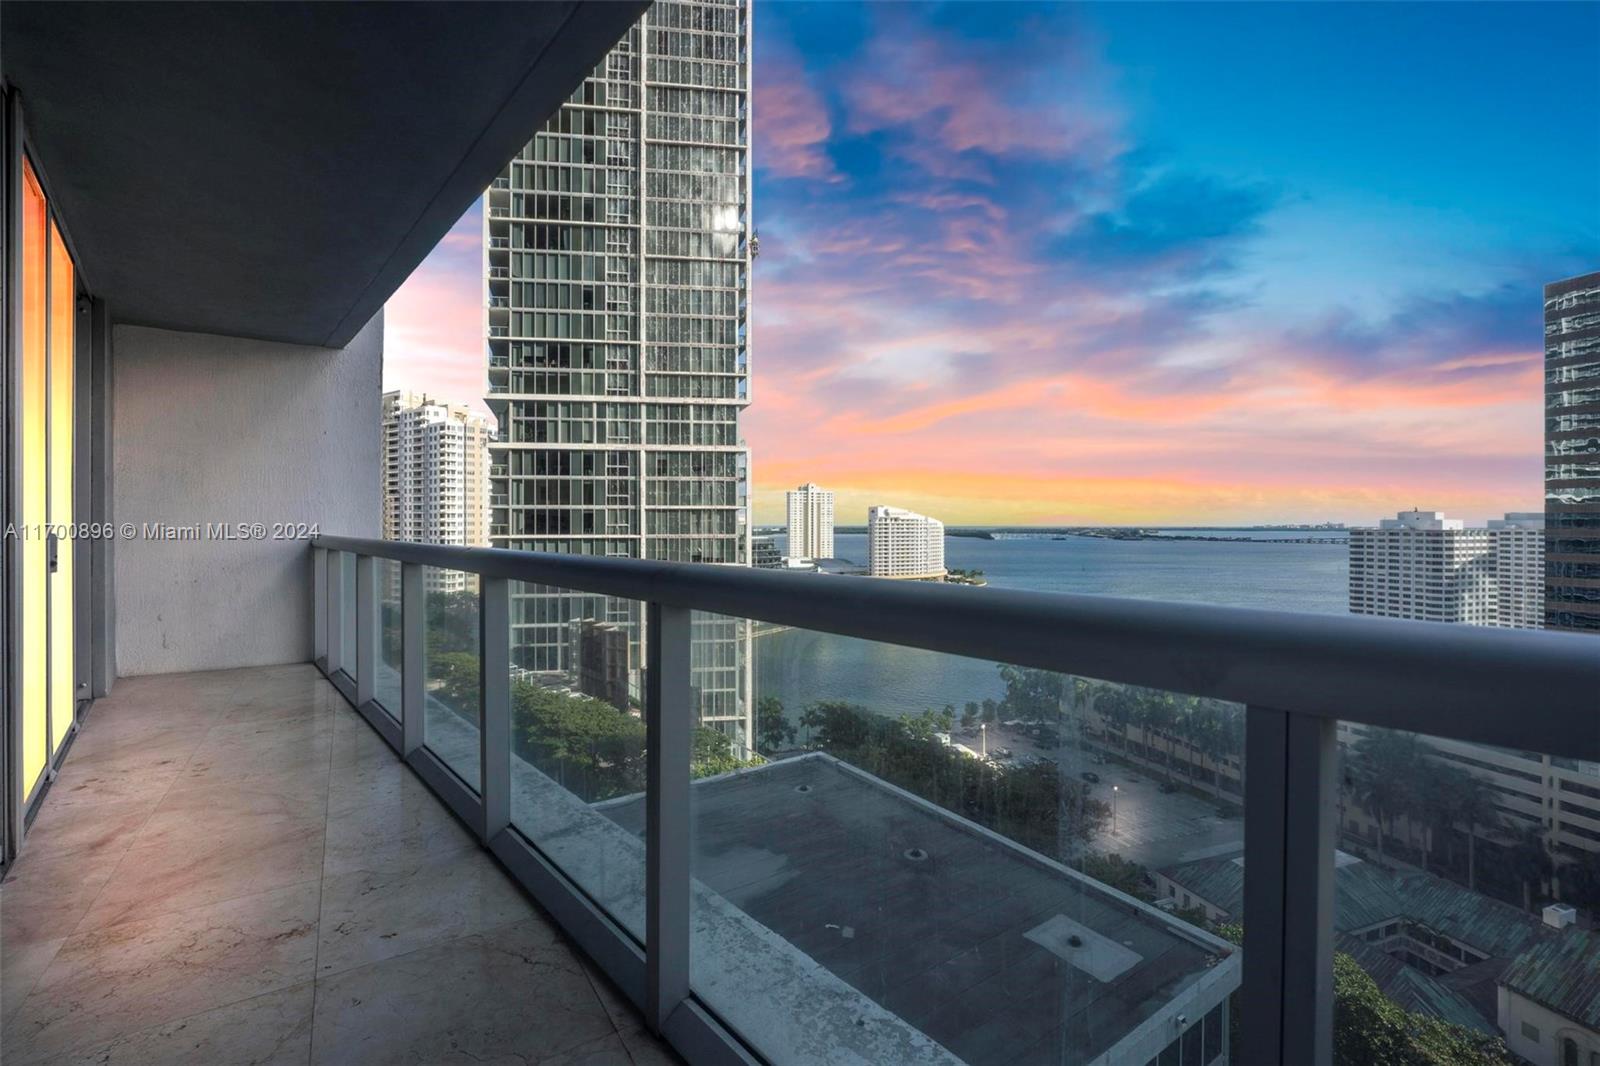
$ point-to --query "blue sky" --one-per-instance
(1159, 262)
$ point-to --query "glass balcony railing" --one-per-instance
(850, 820)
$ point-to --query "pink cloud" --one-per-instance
(791, 123)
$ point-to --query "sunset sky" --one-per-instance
(1140, 263)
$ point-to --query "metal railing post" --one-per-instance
(413, 656)
(669, 723)
(366, 629)
(1291, 763)
(337, 653)
(494, 696)
(319, 607)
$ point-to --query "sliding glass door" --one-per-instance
(44, 469)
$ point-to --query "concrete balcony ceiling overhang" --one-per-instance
(277, 170)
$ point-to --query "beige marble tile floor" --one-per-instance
(232, 868)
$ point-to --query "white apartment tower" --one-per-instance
(904, 544)
(810, 522)
(617, 251)
(1424, 566)
(435, 476)
(1518, 540)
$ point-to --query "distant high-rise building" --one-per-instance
(1424, 566)
(904, 544)
(764, 554)
(435, 476)
(1572, 453)
(1518, 541)
(810, 522)
(617, 256)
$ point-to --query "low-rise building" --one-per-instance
(1549, 1001)
(1431, 945)
(996, 952)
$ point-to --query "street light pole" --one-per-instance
(983, 739)
(1113, 810)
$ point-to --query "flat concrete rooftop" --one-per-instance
(965, 935)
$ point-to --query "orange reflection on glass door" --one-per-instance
(63, 302)
(31, 470)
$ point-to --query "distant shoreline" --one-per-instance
(1336, 536)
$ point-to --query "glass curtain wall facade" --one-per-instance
(1572, 454)
(617, 283)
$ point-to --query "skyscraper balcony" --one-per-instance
(277, 790)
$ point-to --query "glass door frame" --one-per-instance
(88, 497)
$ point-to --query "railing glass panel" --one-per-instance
(451, 682)
(390, 648)
(347, 618)
(1460, 879)
(934, 858)
(578, 738)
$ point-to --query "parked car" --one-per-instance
(1091, 777)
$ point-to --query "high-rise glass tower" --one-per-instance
(617, 281)
(1572, 454)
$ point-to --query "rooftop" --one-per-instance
(963, 933)
(1562, 974)
(1369, 896)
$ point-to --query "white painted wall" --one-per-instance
(223, 429)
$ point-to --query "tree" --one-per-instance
(1117, 872)
(1116, 706)
(1528, 862)
(1385, 763)
(712, 753)
(1371, 1029)
(1155, 712)
(991, 711)
(455, 678)
(774, 732)
(1032, 804)
(969, 714)
(1032, 695)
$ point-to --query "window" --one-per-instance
(1530, 1032)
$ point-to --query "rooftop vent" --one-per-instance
(1559, 915)
(915, 854)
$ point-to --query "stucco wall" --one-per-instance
(221, 429)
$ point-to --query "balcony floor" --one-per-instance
(233, 867)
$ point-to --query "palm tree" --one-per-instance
(1116, 707)
(1155, 714)
(1528, 860)
(1205, 732)
(1386, 764)
(1474, 807)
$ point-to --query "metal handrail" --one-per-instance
(1523, 689)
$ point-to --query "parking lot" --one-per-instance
(1149, 827)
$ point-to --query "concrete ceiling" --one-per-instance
(276, 170)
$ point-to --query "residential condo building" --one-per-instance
(617, 258)
(1518, 541)
(1424, 566)
(435, 477)
(810, 522)
(1572, 453)
(904, 544)
(1421, 565)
